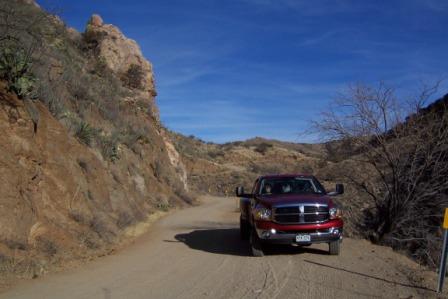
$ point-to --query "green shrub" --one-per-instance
(15, 69)
(163, 206)
(84, 132)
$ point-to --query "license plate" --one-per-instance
(303, 238)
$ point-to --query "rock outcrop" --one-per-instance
(121, 54)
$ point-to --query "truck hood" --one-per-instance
(284, 199)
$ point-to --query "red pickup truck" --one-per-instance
(290, 209)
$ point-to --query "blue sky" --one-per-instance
(233, 69)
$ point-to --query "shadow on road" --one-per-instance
(219, 241)
(227, 241)
(370, 276)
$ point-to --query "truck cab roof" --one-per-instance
(286, 175)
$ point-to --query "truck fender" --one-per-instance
(245, 208)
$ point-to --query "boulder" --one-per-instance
(96, 20)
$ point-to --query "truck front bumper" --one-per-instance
(270, 232)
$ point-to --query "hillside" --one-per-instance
(84, 156)
(218, 168)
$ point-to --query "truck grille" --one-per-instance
(298, 214)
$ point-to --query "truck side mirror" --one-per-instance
(239, 191)
(339, 188)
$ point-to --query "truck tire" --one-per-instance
(244, 229)
(334, 247)
(255, 244)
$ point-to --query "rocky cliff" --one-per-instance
(122, 56)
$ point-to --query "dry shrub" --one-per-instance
(86, 239)
(124, 220)
(405, 162)
(15, 244)
(100, 227)
(78, 217)
(24, 267)
(46, 246)
(108, 145)
(133, 78)
(131, 135)
(263, 147)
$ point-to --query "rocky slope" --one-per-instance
(87, 159)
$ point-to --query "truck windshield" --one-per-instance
(290, 185)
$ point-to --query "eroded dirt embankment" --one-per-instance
(62, 200)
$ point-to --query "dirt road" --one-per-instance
(196, 253)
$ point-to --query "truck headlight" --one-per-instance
(335, 213)
(262, 213)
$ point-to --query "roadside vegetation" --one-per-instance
(395, 153)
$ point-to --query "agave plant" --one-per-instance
(15, 67)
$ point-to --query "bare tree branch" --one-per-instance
(406, 151)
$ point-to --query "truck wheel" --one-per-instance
(244, 229)
(256, 245)
(335, 247)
